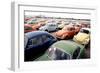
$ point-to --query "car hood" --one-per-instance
(81, 36)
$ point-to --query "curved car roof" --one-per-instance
(68, 46)
(36, 33)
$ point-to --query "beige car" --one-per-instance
(83, 37)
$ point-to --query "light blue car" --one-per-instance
(49, 27)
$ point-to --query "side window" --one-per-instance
(39, 39)
(35, 41)
(49, 25)
(50, 37)
(76, 53)
(85, 31)
(44, 38)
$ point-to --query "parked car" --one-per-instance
(66, 33)
(42, 23)
(27, 18)
(63, 50)
(37, 26)
(83, 37)
(60, 26)
(49, 27)
(32, 21)
(28, 28)
(36, 43)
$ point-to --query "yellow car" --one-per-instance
(83, 37)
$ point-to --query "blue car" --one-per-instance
(36, 43)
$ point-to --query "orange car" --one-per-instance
(37, 25)
(30, 27)
(66, 33)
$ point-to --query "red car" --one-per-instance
(37, 26)
(66, 33)
(30, 27)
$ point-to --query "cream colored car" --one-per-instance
(83, 37)
(63, 24)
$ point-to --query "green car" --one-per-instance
(63, 50)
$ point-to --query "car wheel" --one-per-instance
(46, 30)
(37, 28)
(57, 28)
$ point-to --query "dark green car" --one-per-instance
(63, 50)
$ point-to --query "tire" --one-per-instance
(46, 30)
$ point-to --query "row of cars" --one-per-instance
(53, 41)
(51, 24)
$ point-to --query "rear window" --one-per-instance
(51, 25)
(84, 31)
(57, 54)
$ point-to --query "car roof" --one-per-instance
(35, 34)
(68, 46)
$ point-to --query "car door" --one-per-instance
(33, 49)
